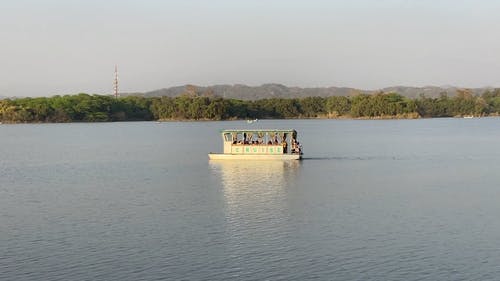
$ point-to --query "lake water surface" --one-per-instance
(372, 200)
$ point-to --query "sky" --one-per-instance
(51, 47)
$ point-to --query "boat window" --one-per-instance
(227, 137)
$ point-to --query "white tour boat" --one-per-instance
(262, 144)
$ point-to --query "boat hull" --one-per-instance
(221, 156)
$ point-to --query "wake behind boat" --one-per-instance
(259, 145)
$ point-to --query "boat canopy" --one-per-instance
(264, 136)
(261, 131)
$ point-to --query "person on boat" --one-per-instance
(284, 144)
(296, 148)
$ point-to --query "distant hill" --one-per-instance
(245, 92)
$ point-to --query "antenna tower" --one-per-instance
(115, 82)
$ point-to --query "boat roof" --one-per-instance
(259, 131)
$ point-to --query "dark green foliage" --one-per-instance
(75, 108)
(381, 105)
(131, 108)
(464, 103)
(338, 105)
(312, 106)
(193, 106)
(288, 108)
(238, 109)
(490, 102)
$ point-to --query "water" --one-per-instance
(372, 200)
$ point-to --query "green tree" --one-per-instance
(312, 106)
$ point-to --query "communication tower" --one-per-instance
(115, 82)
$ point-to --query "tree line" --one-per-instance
(193, 106)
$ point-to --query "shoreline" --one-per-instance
(381, 118)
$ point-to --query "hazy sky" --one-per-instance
(52, 47)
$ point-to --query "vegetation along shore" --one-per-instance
(202, 106)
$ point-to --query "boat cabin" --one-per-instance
(261, 144)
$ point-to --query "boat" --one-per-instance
(264, 144)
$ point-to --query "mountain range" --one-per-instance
(244, 92)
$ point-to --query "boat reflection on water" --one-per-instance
(256, 177)
(256, 196)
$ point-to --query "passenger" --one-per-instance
(284, 144)
(294, 146)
